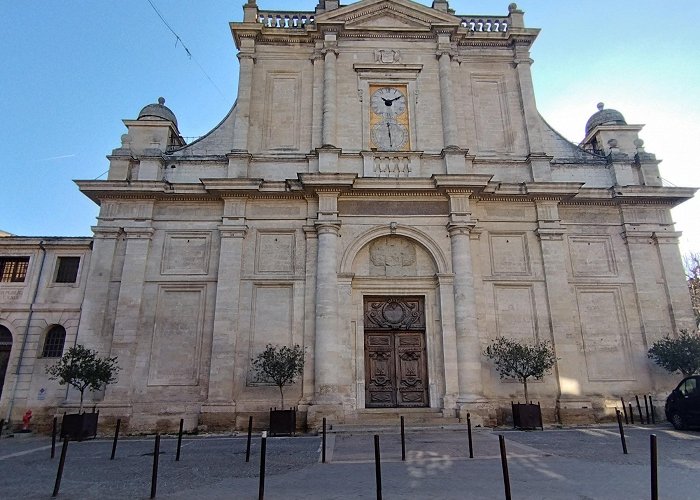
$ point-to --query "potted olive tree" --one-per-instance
(280, 365)
(680, 354)
(81, 368)
(521, 361)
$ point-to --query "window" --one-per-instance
(67, 269)
(13, 269)
(53, 344)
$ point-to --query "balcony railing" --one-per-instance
(485, 24)
(285, 19)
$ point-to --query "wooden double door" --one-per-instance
(396, 373)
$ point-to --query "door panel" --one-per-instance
(379, 368)
(411, 370)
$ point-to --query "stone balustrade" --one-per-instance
(285, 19)
(485, 24)
(392, 166)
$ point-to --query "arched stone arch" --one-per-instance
(407, 232)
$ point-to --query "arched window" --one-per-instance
(5, 348)
(53, 344)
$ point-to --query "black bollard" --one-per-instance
(653, 414)
(469, 435)
(116, 438)
(2, 425)
(250, 433)
(179, 440)
(622, 431)
(377, 467)
(403, 441)
(639, 409)
(646, 408)
(154, 475)
(61, 463)
(263, 448)
(624, 410)
(631, 414)
(323, 444)
(504, 465)
(654, 468)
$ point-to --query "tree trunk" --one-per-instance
(282, 396)
(525, 386)
(80, 410)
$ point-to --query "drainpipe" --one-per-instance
(26, 331)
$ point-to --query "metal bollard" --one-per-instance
(646, 408)
(250, 432)
(639, 409)
(154, 474)
(377, 467)
(263, 449)
(631, 414)
(61, 463)
(624, 410)
(622, 431)
(654, 468)
(116, 438)
(469, 435)
(504, 466)
(323, 445)
(653, 414)
(403, 441)
(179, 440)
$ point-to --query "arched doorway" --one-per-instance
(5, 348)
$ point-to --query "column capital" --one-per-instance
(245, 55)
(329, 50)
(546, 234)
(327, 227)
(232, 231)
(460, 228)
(100, 232)
(670, 238)
(145, 233)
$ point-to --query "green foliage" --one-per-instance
(280, 365)
(518, 360)
(680, 354)
(81, 368)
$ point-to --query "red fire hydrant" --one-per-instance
(25, 420)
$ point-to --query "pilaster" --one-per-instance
(246, 58)
(128, 315)
(449, 118)
(330, 54)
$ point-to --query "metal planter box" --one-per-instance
(79, 425)
(527, 416)
(283, 422)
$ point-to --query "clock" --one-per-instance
(390, 136)
(388, 118)
(388, 101)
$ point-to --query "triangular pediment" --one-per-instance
(387, 15)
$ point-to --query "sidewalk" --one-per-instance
(581, 463)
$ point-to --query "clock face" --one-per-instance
(388, 101)
(390, 136)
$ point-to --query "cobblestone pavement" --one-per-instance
(578, 463)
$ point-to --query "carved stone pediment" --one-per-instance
(387, 15)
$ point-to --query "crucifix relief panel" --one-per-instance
(395, 355)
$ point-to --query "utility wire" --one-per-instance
(189, 54)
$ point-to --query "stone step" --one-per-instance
(389, 420)
(449, 424)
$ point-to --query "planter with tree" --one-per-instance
(521, 361)
(82, 369)
(280, 365)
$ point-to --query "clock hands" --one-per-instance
(388, 128)
(389, 102)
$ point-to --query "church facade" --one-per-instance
(383, 193)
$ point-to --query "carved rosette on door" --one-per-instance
(395, 358)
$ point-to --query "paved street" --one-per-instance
(581, 463)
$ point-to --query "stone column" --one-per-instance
(128, 315)
(223, 349)
(309, 312)
(246, 59)
(449, 340)
(330, 53)
(562, 311)
(331, 381)
(449, 118)
(468, 346)
(317, 101)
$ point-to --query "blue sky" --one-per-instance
(72, 70)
